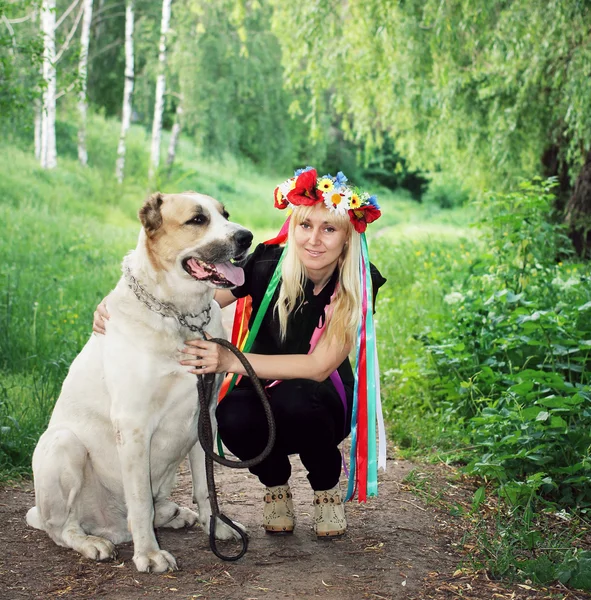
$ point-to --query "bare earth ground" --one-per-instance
(397, 547)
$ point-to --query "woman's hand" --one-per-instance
(209, 357)
(101, 314)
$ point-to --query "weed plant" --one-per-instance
(511, 381)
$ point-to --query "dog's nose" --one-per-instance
(243, 239)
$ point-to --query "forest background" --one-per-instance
(458, 113)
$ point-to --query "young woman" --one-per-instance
(301, 349)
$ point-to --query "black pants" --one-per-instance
(311, 422)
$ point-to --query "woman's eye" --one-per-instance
(330, 229)
(305, 226)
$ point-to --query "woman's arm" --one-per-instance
(224, 297)
(213, 358)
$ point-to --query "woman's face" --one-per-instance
(319, 241)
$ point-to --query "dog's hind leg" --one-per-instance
(59, 466)
(170, 514)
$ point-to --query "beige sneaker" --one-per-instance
(278, 515)
(329, 513)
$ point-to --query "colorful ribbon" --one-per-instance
(367, 407)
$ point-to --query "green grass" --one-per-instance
(64, 232)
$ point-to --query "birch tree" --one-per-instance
(127, 91)
(48, 151)
(160, 88)
(82, 76)
(174, 135)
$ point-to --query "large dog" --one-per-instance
(127, 413)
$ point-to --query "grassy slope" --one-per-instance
(63, 234)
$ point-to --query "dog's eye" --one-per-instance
(226, 214)
(200, 219)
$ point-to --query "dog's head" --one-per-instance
(191, 232)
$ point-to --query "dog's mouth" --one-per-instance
(224, 274)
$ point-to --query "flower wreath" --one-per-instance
(305, 188)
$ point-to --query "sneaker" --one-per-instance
(329, 513)
(278, 514)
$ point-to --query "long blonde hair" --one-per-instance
(346, 303)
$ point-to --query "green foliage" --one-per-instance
(480, 89)
(19, 62)
(521, 545)
(445, 191)
(513, 363)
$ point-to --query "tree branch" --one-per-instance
(11, 31)
(70, 35)
(108, 47)
(68, 11)
(21, 19)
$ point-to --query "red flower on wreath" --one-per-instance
(362, 216)
(305, 191)
(280, 201)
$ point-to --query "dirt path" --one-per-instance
(393, 543)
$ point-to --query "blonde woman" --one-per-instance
(310, 389)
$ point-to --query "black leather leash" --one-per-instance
(204, 429)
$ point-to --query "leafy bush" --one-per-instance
(445, 191)
(513, 365)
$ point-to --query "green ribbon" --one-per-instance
(273, 283)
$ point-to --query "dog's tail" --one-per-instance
(33, 518)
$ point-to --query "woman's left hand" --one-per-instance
(208, 357)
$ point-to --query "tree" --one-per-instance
(48, 154)
(160, 88)
(82, 70)
(175, 134)
(127, 91)
(481, 89)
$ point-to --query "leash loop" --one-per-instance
(205, 432)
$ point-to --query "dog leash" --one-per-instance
(204, 429)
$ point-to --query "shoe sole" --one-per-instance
(330, 534)
(278, 531)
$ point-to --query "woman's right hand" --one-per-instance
(101, 314)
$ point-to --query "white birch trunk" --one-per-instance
(174, 136)
(37, 108)
(38, 120)
(82, 75)
(127, 90)
(160, 87)
(48, 154)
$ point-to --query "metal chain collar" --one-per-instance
(166, 309)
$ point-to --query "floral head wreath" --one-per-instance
(305, 188)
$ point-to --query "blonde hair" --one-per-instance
(346, 303)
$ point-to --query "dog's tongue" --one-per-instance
(232, 273)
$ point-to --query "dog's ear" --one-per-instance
(150, 215)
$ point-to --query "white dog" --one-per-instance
(127, 413)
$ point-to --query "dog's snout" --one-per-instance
(243, 239)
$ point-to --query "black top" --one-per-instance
(258, 270)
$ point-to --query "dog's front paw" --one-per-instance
(225, 532)
(158, 561)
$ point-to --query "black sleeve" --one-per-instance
(377, 281)
(258, 270)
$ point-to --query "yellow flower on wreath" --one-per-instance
(355, 201)
(325, 184)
